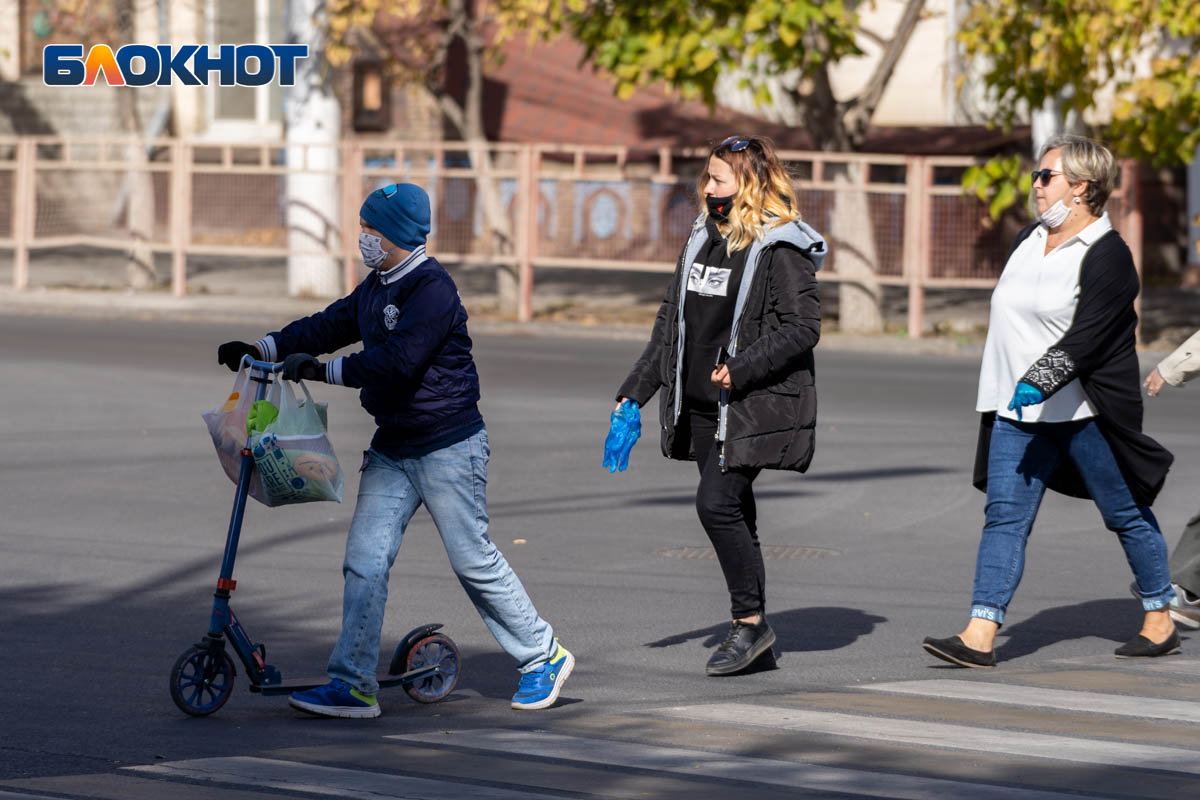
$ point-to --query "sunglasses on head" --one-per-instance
(1044, 175)
(736, 144)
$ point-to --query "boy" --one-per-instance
(418, 380)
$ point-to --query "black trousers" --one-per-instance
(725, 504)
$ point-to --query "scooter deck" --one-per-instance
(300, 684)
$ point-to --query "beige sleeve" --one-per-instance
(1183, 364)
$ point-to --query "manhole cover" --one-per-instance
(770, 552)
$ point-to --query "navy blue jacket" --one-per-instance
(415, 371)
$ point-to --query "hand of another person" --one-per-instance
(720, 376)
(1025, 395)
(231, 354)
(303, 367)
(1154, 382)
(625, 427)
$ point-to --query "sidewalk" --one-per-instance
(568, 303)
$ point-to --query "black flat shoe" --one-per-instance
(1141, 647)
(742, 646)
(954, 651)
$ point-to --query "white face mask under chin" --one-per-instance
(371, 247)
(1055, 215)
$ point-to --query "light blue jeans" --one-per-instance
(1021, 459)
(452, 483)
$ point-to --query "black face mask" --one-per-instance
(719, 207)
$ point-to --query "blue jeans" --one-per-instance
(1023, 456)
(452, 483)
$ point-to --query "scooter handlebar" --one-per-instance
(265, 366)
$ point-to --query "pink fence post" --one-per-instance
(24, 212)
(1131, 195)
(527, 236)
(916, 240)
(181, 214)
(352, 157)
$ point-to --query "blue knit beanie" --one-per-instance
(400, 212)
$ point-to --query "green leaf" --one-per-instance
(704, 58)
(1004, 198)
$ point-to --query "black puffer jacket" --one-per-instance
(772, 409)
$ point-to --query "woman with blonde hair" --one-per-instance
(732, 347)
(1061, 404)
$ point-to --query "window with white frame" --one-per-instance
(245, 112)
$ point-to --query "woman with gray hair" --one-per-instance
(1061, 402)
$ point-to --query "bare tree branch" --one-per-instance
(454, 113)
(873, 36)
(863, 106)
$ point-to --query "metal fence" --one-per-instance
(580, 207)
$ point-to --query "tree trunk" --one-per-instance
(852, 237)
(313, 131)
(468, 119)
(860, 296)
(139, 268)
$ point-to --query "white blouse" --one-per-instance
(1033, 305)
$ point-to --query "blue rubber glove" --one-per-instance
(1025, 395)
(625, 427)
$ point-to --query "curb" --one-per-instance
(271, 311)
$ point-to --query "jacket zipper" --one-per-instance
(723, 401)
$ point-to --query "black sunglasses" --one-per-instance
(1044, 175)
(736, 144)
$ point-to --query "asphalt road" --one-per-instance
(113, 513)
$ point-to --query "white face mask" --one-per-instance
(1055, 215)
(372, 250)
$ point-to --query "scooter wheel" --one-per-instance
(433, 649)
(202, 680)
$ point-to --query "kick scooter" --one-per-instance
(425, 663)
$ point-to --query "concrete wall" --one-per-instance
(27, 106)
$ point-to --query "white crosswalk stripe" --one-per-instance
(1035, 697)
(354, 784)
(948, 735)
(706, 763)
(1038, 737)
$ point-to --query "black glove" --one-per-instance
(303, 367)
(231, 353)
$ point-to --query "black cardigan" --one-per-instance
(1100, 350)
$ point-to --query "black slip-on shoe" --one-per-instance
(1141, 647)
(954, 651)
(742, 646)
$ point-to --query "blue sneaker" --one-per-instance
(336, 699)
(540, 687)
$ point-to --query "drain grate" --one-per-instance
(770, 552)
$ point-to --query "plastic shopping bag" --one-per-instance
(227, 426)
(294, 458)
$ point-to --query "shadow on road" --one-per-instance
(1116, 620)
(798, 630)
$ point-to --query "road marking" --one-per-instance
(949, 736)
(331, 781)
(706, 763)
(1036, 697)
(1173, 664)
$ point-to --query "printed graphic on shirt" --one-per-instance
(708, 281)
(391, 315)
